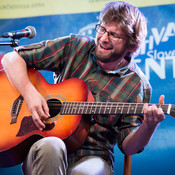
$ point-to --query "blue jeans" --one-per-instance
(48, 156)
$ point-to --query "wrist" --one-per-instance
(149, 126)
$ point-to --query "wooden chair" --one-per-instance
(127, 165)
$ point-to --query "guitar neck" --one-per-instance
(69, 108)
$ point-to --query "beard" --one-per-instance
(107, 58)
(110, 55)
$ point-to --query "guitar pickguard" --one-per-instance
(27, 126)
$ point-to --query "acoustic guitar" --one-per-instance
(70, 104)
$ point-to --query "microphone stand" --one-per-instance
(12, 43)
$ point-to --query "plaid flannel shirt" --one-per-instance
(72, 57)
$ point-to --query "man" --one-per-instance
(106, 65)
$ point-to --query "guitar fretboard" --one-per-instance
(80, 108)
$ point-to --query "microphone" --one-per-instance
(28, 32)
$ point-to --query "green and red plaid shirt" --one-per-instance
(72, 57)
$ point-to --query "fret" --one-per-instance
(121, 112)
(119, 108)
(140, 108)
(116, 108)
(65, 108)
(62, 109)
(169, 109)
(93, 109)
(99, 107)
(129, 108)
(111, 104)
(87, 107)
(132, 108)
(158, 105)
(104, 112)
(109, 107)
(102, 108)
(74, 109)
(83, 107)
(79, 107)
(135, 111)
(125, 108)
(113, 108)
(69, 108)
(166, 108)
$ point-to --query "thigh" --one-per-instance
(90, 165)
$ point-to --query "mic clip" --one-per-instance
(12, 43)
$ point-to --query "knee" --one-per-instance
(50, 147)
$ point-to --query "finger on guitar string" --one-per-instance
(38, 121)
(153, 114)
(160, 113)
(148, 112)
(43, 110)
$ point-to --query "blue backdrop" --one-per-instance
(156, 59)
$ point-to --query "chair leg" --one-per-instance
(127, 165)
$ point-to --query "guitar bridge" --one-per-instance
(15, 109)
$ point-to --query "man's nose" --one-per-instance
(105, 37)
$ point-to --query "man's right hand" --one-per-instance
(37, 106)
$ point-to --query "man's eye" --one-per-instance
(114, 35)
(102, 30)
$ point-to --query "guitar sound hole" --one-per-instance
(54, 107)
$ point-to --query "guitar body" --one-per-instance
(17, 130)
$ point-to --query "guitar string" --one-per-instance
(104, 104)
(89, 105)
(116, 103)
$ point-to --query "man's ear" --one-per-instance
(131, 48)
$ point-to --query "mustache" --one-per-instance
(105, 45)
